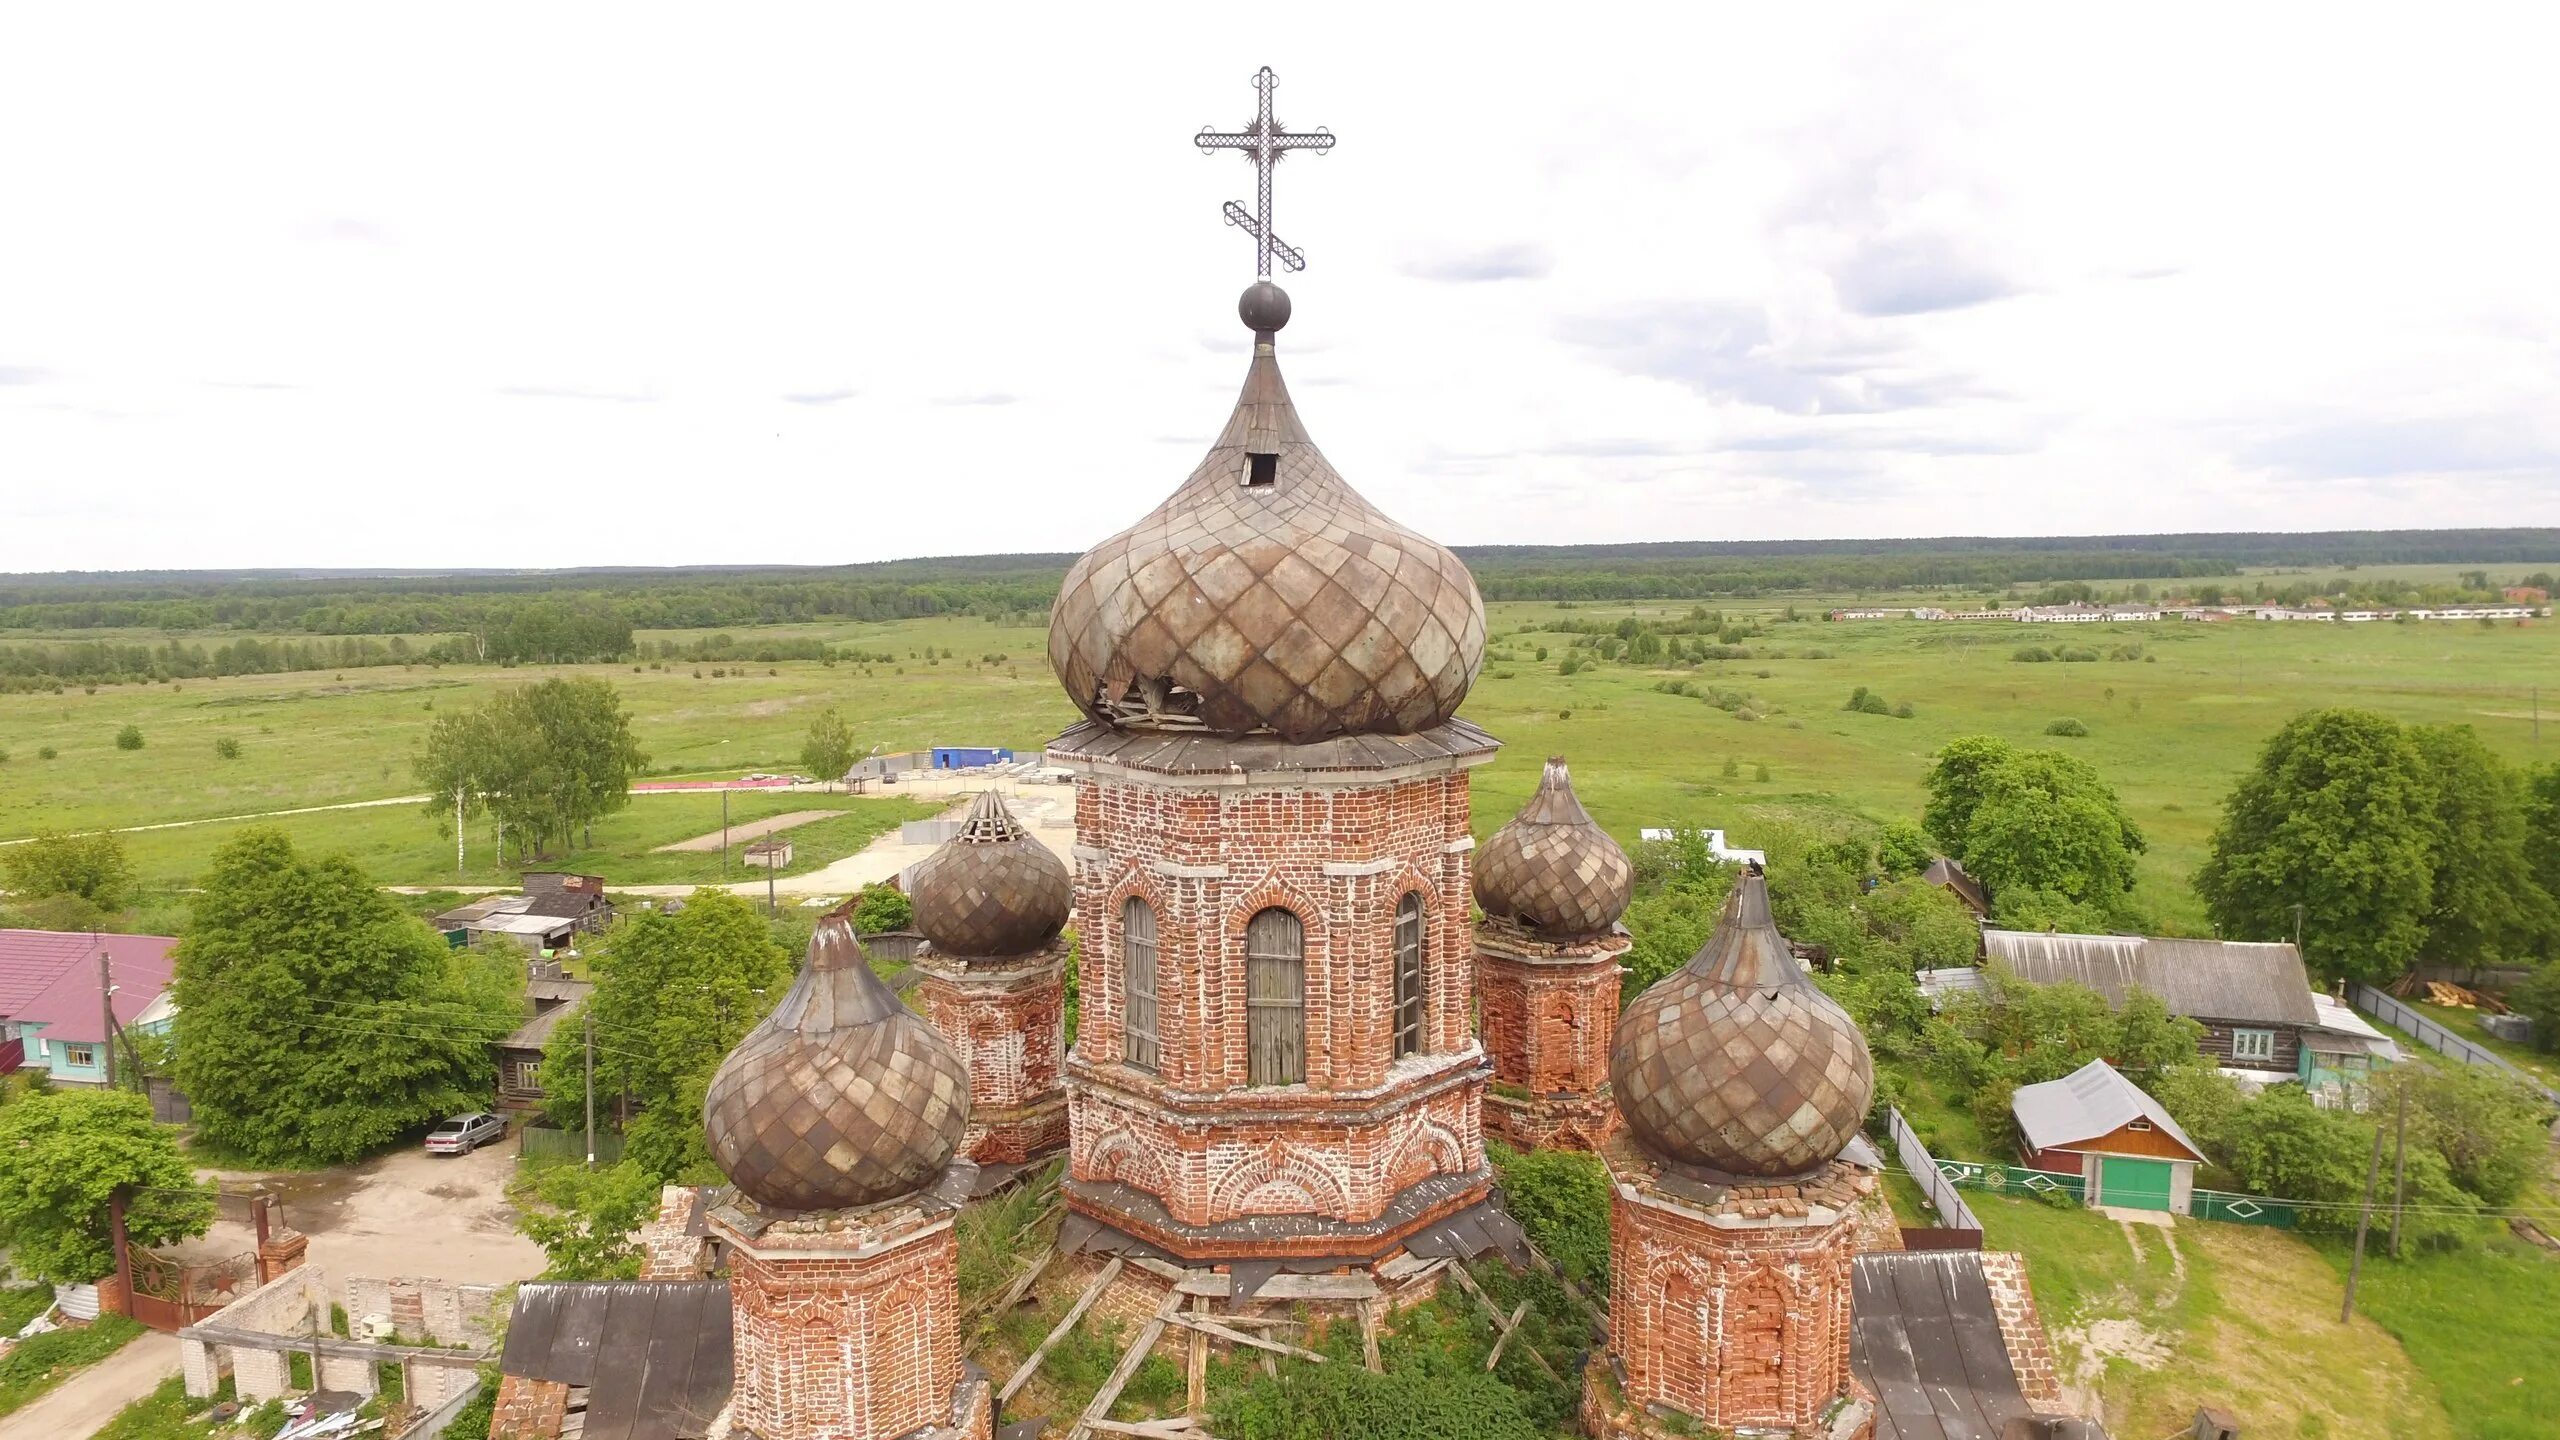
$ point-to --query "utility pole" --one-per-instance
(124, 1252)
(2399, 1167)
(588, 1007)
(106, 1011)
(2364, 1218)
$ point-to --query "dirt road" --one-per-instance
(82, 1405)
(1048, 809)
(743, 832)
(405, 1213)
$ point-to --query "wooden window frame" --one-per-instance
(2261, 1043)
(1412, 954)
(1141, 1010)
(1275, 985)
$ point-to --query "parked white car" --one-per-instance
(465, 1133)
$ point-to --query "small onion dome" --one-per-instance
(991, 889)
(842, 1096)
(1266, 596)
(1735, 1063)
(1553, 868)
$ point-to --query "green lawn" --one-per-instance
(2483, 1322)
(2236, 1316)
(401, 845)
(2466, 1023)
(41, 1362)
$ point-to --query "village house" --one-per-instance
(551, 997)
(1949, 875)
(2095, 1124)
(2262, 1021)
(50, 1018)
(548, 916)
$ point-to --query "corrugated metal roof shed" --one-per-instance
(655, 1356)
(2089, 1102)
(2208, 979)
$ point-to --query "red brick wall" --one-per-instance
(1548, 1014)
(2022, 1329)
(1733, 1326)
(1008, 1021)
(837, 1348)
(529, 1409)
(1206, 858)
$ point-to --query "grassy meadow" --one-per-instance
(2171, 730)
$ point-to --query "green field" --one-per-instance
(2171, 731)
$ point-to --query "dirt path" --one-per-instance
(82, 1405)
(261, 815)
(405, 1213)
(750, 830)
(1048, 809)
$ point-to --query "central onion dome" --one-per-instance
(992, 889)
(1735, 1063)
(842, 1096)
(1553, 868)
(1266, 596)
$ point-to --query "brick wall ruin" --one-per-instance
(1007, 1018)
(1548, 1014)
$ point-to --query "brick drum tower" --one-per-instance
(1733, 1210)
(1275, 1066)
(1552, 885)
(991, 902)
(836, 1121)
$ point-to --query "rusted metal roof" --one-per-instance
(655, 1356)
(2209, 979)
(1925, 1341)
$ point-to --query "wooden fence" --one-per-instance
(542, 1142)
(2437, 1038)
(1924, 1172)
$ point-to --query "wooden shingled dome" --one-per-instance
(1735, 1063)
(1266, 596)
(842, 1096)
(1553, 869)
(992, 889)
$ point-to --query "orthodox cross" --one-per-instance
(1264, 143)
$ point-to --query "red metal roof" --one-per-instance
(50, 978)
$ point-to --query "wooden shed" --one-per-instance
(2096, 1124)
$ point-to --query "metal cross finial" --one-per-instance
(1264, 144)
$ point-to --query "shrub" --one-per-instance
(227, 748)
(2066, 727)
(46, 752)
(2031, 654)
(1864, 701)
(1904, 711)
(1345, 1402)
(1732, 768)
(1561, 1197)
(881, 907)
(1761, 773)
(2077, 654)
(2538, 999)
(129, 738)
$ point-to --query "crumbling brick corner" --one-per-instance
(2022, 1329)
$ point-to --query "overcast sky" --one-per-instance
(548, 285)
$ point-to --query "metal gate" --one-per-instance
(170, 1294)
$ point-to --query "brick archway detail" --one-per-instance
(1121, 1155)
(1290, 1172)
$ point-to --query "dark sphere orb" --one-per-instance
(1265, 307)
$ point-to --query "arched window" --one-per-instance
(1138, 1035)
(1275, 998)
(1409, 976)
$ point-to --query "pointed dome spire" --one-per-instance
(1266, 595)
(1735, 1062)
(1553, 868)
(842, 1096)
(992, 889)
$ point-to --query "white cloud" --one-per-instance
(283, 283)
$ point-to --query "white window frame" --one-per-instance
(2253, 1043)
(82, 1056)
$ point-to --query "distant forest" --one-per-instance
(503, 617)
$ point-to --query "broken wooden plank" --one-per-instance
(1286, 1287)
(1195, 1397)
(1023, 1282)
(1369, 1337)
(1201, 1326)
(1176, 1429)
(1509, 1329)
(1084, 1302)
(1468, 1283)
(1109, 1394)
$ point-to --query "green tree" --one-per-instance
(129, 738)
(2338, 817)
(64, 1154)
(2542, 833)
(2538, 999)
(674, 994)
(318, 1020)
(878, 908)
(2492, 1130)
(1902, 849)
(828, 752)
(587, 1233)
(548, 760)
(91, 867)
(2487, 905)
(2034, 820)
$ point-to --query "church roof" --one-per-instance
(1267, 596)
(1553, 867)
